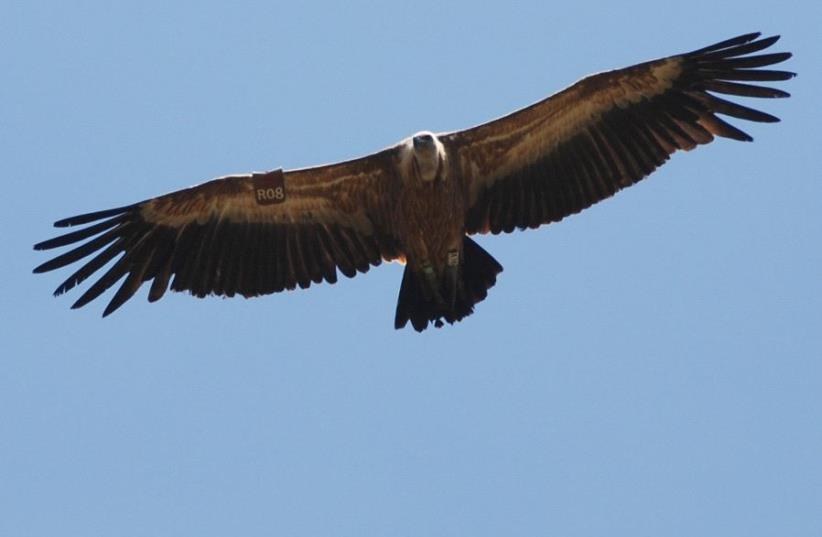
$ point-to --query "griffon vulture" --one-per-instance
(419, 201)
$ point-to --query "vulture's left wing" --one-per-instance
(606, 132)
(245, 234)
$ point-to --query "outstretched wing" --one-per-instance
(606, 132)
(246, 234)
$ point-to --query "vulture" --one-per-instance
(419, 202)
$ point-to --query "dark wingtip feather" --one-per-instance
(43, 267)
(80, 234)
(760, 75)
(780, 57)
(743, 90)
(79, 252)
(112, 307)
(738, 40)
(82, 301)
(729, 108)
(91, 217)
(735, 50)
(736, 134)
(129, 287)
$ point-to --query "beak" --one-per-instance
(422, 141)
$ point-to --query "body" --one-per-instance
(429, 206)
(446, 272)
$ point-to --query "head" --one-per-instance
(427, 156)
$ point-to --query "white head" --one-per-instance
(425, 154)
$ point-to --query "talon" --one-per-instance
(452, 277)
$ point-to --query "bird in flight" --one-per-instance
(420, 201)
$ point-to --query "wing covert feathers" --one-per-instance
(609, 131)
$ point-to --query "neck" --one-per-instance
(427, 170)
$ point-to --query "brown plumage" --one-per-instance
(417, 201)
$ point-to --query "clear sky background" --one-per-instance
(651, 366)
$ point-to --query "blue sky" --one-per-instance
(650, 366)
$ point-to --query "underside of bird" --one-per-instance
(427, 297)
(419, 200)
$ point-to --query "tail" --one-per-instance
(421, 305)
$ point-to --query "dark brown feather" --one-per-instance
(738, 50)
(743, 90)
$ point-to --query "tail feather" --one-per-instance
(411, 294)
(477, 273)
